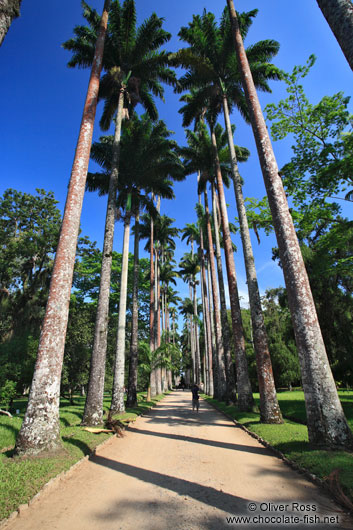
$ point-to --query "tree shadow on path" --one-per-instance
(201, 493)
(212, 443)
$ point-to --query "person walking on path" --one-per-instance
(195, 398)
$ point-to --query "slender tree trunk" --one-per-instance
(213, 350)
(269, 407)
(327, 424)
(93, 413)
(196, 335)
(231, 390)
(192, 339)
(157, 320)
(132, 385)
(205, 313)
(220, 384)
(118, 404)
(40, 429)
(245, 399)
(208, 328)
(339, 15)
(153, 390)
(9, 9)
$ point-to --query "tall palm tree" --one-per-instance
(191, 234)
(214, 167)
(147, 157)
(9, 9)
(40, 430)
(206, 303)
(210, 177)
(326, 421)
(189, 267)
(339, 15)
(214, 69)
(134, 68)
(159, 234)
(155, 160)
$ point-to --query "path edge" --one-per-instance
(322, 484)
(55, 481)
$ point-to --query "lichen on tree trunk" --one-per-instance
(93, 413)
(40, 428)
(327, 425)
(269, 407)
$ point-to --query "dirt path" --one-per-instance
(178, 469)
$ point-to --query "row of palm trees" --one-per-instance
(218, 80)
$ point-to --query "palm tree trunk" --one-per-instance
(231, 390)
(208, 326)
(219, 381)
(152, 385)
(339, 15)
(327, 424)
(245, 399)
(269, 407)
(212, 351)
(132, 385)
(93, 413)
(9, 9)
(117, 404)
(157, 322)
(204, 317)
(197, 337)
(40, 430)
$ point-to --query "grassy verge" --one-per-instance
(291, 439)
(22, 478)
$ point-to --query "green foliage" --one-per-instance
(7, 393)
(323, 157)
(328, 260)
(281, 340)
(17, 358)
(78, 346)
(132, 58)
(168, 355)
(87, 278)
(29, 229)
(212, 67)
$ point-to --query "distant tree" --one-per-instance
(281, 338)
(9, 9)
(78, 346)
(339, 15)
(29, 231)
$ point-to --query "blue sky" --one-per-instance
(42, 101)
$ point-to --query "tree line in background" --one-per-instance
(139, 164)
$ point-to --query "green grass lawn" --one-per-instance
(22, 478)
(291, 438)
(293, 407)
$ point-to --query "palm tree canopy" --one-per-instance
(148, 158)
(190, 233)
(189, 266)
(211, 62)
(164, 232)
(132, 59)
(198, 155)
